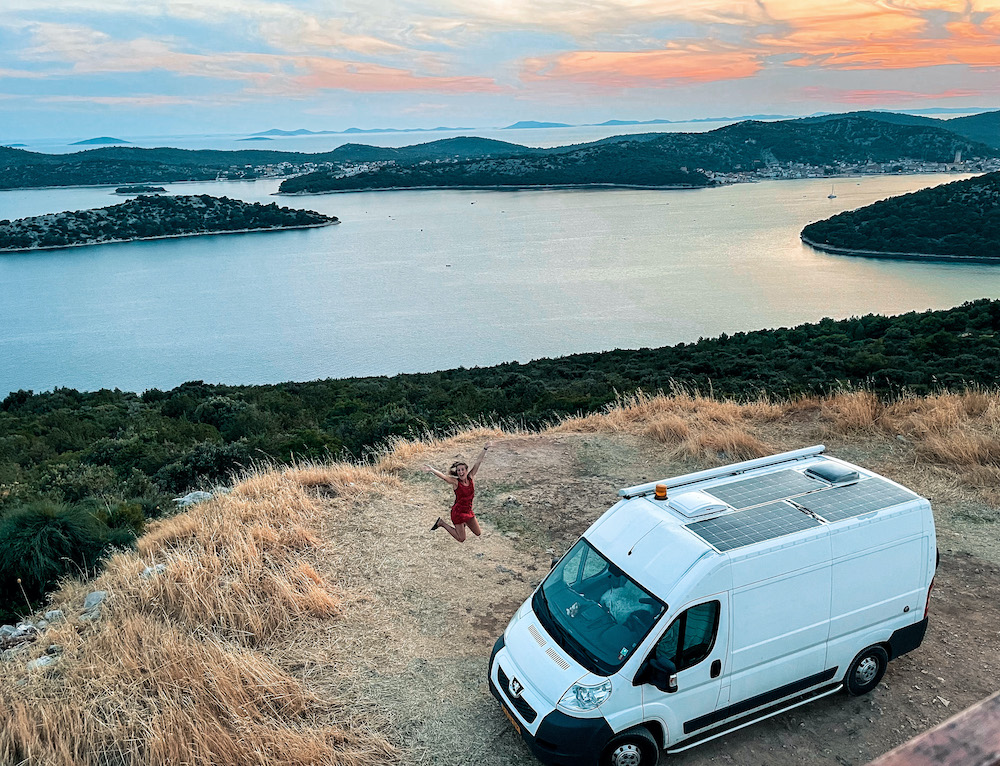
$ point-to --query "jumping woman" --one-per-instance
(460, 478)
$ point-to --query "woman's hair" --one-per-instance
(456, 464)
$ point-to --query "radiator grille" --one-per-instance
(527, 711)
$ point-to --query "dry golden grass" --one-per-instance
(728, 444)
(669, 429)
(698, 425)
(853, 412)
(176, 671)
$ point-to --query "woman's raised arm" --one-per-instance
(482, 454)
(442, 476)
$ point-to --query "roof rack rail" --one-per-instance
(723, 470)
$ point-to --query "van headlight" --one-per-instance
(584, 697)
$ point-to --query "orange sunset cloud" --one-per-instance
(629, 69)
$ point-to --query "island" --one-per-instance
(959, 221)
(152, 217)
(531, 124)
(101, 140)
(139, 189)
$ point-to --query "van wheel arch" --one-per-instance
(633, 747)
(658, 730)
(866, 670)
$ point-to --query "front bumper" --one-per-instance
(560, 740)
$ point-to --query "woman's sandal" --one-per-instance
(436, 524)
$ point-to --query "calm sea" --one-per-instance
(419, 281)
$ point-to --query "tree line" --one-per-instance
(81, 472)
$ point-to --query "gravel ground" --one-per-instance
(411, 650)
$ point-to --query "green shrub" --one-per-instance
(42, 542)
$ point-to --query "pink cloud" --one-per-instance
(624, 69)
(333, 74)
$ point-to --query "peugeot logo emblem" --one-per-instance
(516, 687)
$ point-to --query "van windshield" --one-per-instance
(596, 612)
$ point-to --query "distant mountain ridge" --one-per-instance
(668, 159)
(720, 150)
(983, 128)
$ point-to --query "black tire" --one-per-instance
(866, 670)
(633, 747)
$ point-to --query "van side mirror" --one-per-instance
(660, 673)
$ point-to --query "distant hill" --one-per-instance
(101, 140)
(982, 128)
(612, 164)
(115, 165)
(152, 217)
(527, 124)
(668, 159)
(977, 127)
(960, 219)
(895, 118)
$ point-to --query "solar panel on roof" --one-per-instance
(764, 489)
(837, 503)
(765, 522)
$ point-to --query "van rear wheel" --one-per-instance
(633, 747)
(866, 670)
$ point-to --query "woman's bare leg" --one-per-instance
(474, 526)
(457, 531)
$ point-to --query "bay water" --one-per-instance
(428, 280)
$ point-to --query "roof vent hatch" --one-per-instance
(829, 471)
(696, 504)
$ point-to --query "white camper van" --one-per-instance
(707, 602)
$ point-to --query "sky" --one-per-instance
(158, 67)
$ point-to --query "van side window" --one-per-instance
(690, 637)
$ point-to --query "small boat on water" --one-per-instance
(831, 195)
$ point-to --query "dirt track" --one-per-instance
(428, 610)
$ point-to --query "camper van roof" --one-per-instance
(734, 506)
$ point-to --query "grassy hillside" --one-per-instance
(309, 617)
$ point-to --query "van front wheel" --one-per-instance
(633, 747)
(867, 670)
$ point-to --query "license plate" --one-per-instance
(511, 718)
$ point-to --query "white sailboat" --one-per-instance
(831, 195)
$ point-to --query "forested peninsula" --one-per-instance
(960, 220)
(152, 217)
(738, 152)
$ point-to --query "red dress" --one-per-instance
(461, 511)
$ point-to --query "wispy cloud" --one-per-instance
(885, 96)
(86, 51)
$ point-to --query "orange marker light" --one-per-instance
(661, 492)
